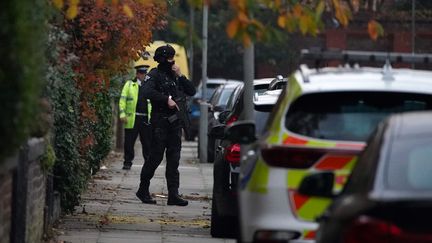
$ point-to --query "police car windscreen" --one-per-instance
(350, 116)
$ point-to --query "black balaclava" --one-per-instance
(166, 66)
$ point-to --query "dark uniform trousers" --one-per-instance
(165, 136)
(143, 129)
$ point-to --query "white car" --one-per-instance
(262, 84)
(320, 123)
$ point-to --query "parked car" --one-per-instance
(388, 197)
(261, 85)
(224, 217)
(278, 83)
(217, 104)
(321, 122)
(195, 101)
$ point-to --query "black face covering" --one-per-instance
(166, 66)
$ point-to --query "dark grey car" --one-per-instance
(388, 197)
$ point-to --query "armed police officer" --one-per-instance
(135, 114)
(165, 87)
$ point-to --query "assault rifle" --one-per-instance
(183, 112)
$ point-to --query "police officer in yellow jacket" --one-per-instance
(135, 114)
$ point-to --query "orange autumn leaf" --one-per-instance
(242, 17)
(238, 4)
(303, 25)
(127, 10)
(99, 3)
(232, 28)
(72, 12)
(375, 30)
(247, 41)
(58, 3)
(342, 15)
(297, 10)
(282, 20)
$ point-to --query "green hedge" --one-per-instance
(73, 165)
(22, 66)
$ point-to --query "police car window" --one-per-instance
(348, 116)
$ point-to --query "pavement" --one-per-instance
(111, 213)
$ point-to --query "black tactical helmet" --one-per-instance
(163, 52)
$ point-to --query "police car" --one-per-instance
(320, 123)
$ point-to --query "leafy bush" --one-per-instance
(102, 129)
(22, 36)
(69, 170)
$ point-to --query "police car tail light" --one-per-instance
(371, 230)
(290, 157)
(232, 154)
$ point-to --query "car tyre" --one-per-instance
(217, 228)
(222, 226)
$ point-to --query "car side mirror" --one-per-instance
(217, 132)
(242, 132)
(223, 116)
(280, 77)
(318, 185)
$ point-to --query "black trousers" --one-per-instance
(143, 129)
(166, 139)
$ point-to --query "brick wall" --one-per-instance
(6, 184)
(35, 202)
(22, 195)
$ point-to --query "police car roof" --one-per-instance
(364, 79)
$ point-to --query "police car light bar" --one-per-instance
(365, 56)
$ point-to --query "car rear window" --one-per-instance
(260, 88)
(409, 166)
(350, 116)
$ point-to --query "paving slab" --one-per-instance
(110, 212)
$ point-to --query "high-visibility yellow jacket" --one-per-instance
(128, 102)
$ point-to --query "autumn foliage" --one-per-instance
(295, 16)
(106, 37)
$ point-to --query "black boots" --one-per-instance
(127, 165)
(145, 197)
(175, 199)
